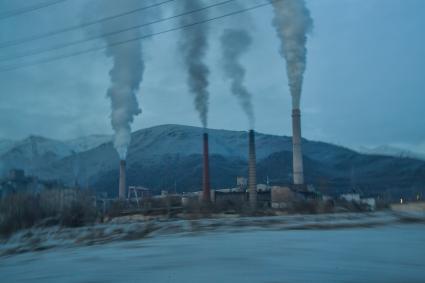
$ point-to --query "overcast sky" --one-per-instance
(364, 83)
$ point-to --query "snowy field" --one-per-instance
(393, 252)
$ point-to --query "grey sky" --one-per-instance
(364, 83)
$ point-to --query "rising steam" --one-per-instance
(125, 78)
(234, 43)
(293, 22)
(194, 45)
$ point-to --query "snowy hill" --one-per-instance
(169, 156)
(392, 151)
(35, 152)
(6, 145)
(86, 143)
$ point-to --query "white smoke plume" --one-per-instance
(193, 45)
(234, 43)
(125, 78)
(293, 22)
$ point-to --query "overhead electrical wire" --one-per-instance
(20, 11)
(79, 26)
(89, 50)
(68, 44)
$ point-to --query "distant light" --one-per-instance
(401, 200)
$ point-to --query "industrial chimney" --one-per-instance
(252, 174)
(122, 181)
(296, 149)
(206, 172)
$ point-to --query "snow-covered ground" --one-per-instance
(386, 252)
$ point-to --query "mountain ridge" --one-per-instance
(169, 157)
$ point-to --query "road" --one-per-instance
(394, 253)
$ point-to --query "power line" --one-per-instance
(79, 26)
(64, 45)
(21, 11)
(14, 67)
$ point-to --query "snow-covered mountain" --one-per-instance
(169, 156)
(5, 145)
(391, 151)
(86, 143)
(35, 152)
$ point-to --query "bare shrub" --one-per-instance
(78, 213)
(66, 207)
(19, 211)
(116, 208)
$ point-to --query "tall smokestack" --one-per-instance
(122, 181)
(297, 155)
(206, 196)
(293, 22)
(252, 172)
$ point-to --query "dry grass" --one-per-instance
(69, 208)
